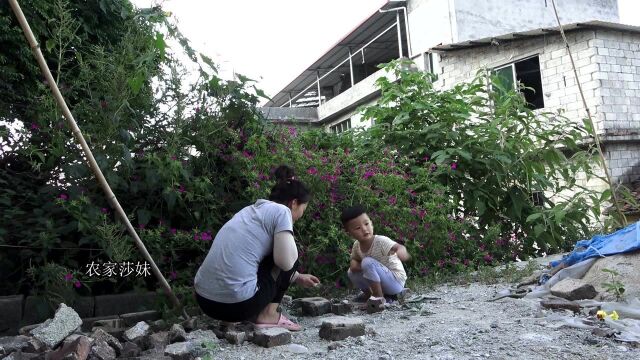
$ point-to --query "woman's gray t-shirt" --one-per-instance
(229, 272)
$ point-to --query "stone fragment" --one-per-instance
(604, 332)
(186, 350)
(158, 340)
(375, 305)
(574, 289)
(341, 308)
(53, 331)
(9, 344)
(315, 306)
(340, 327)
(297, 349)
(77, 349)
(334, 345)
(138, 332)
(236, 337)
(26, 330)
(286, 300)
(129, 350)
(102, 351)
(37, 346)
(190, 324)
(556, 304)
(271, 337)
(100, 334)
(149, 316)
(177, 334)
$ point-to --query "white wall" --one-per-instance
(477, 19)
(429, 23)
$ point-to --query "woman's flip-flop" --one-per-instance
(283, 322)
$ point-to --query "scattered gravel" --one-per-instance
(460, 325)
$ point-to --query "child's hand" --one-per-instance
(307, 280)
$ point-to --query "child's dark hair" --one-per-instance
(351, 213)
(288, 188)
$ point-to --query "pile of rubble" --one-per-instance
(62, 338)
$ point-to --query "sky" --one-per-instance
(273, 41)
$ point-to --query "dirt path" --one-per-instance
(460, 325)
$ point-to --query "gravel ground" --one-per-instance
(461, 324)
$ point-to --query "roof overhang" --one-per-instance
(368, 29)
(514, 36)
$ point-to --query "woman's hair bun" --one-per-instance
(283, 173)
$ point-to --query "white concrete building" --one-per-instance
(456, 38)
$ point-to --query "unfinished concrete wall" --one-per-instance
(608, 64)
(478, 19)
(430, 23)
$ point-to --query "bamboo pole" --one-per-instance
(111, 197)
(592, 124)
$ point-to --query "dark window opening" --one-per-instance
(341, 126)
(527, 74)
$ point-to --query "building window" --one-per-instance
(538, 198)
(527, 73)
(341, 126)
(428, 63)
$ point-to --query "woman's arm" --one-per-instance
(285, 252)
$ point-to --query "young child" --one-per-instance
(376, 261)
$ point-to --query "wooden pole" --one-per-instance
(111, 197)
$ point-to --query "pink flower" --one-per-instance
(312, 171)
(454, 165)
(488, 258)
(104, 210)
(77, 284)
(182, 188)
(441, 263)
(205, 236)
(141, 226)
(433, 167)
(293, 131)
(63, 197)
(247, 154)
(173, 275)
(346, 151)
(173, 157)
(338, 284)
(368, 174)
(173, 231)
(68, 277)
(196, 236)
(392, 200)
(466, 262)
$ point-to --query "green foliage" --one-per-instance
(183, 157)
(614, 287)
(492, 153)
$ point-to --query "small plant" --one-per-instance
(209, 346)
(615, 286)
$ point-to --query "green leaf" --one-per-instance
(135, 83)
(160, 44)
(143, 216)
(50, 44)
(533, 217)
(539, 229)
(606, 195)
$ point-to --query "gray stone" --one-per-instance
(236, 337)
(297, 349)
(9, 344)
(340, 327)
(159, 340)
(574, 289)
(100, 334)
(137, 332)
(201, 335)
(63, 324)
(177, 334)
(10, 313)
(102, 351)
(375, 305)
(26, 330)
(315, 306)
(341, 308)
(190, 324)
(130, 349)
(271, 337)
(133, 318)
(186, 350)
(563, 304)
(334, 346)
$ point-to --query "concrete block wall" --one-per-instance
(618, 62)
(558, 81)
(608, 66)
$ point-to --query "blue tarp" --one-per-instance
(622, 241)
